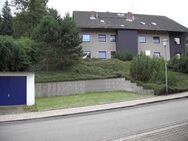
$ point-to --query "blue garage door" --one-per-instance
(12, 90)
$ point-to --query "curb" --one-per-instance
(89, 109)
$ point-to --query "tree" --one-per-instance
(23, 5)
(20, 5)
(70, 41)
(6, 44)
(7, 23)
(54, 13)
(29, 14)
(0, 22)
(47, 34)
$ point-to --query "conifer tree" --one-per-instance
(69, 42)
(7, 23)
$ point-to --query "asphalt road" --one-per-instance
(99, 125)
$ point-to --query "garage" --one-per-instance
(16, 89)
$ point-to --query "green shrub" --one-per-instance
(144, 68)
(159, 89)
(179, 64)
(15, 55)
(124, 57)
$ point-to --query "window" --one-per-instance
(177, 41)
(142, 39)
(86, 54)
(86, 38)
(156, 40)
(102, 21)
(102, 54)
(157, 54)
(102, 38)
(113, 54)
(112, 38)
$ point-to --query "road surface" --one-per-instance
(98, 125)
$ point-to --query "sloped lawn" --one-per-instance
(87, 69)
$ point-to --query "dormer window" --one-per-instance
(143, 23)
(92, 18)
(101, 21)
(121, 14)
(153, 23)
(93, 15)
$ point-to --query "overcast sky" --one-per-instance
(174, 9)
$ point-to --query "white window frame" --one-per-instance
(156, 40)
(143, 37)
(177, 40)
(89, 38)
(102, 52)
(112, 38)
(102, 37)
(87, 53)
(157, 54)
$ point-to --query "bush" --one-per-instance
(6, 51)
(159, 89)
(144, 68)
(179, 64)
(124, 57)
(15, 55)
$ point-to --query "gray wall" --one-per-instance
(127, 41)
(177, 48)
(78, 87)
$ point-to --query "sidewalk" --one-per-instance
(72, 111)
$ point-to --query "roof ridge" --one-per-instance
(120, 13)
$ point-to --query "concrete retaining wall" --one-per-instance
(77, 87)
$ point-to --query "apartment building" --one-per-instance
(104, 33)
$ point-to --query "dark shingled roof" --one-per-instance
(114, 21)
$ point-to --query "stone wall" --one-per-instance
(78, 87)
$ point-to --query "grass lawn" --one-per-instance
(83, 100)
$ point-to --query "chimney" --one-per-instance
(93, 15)
(130, 17)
